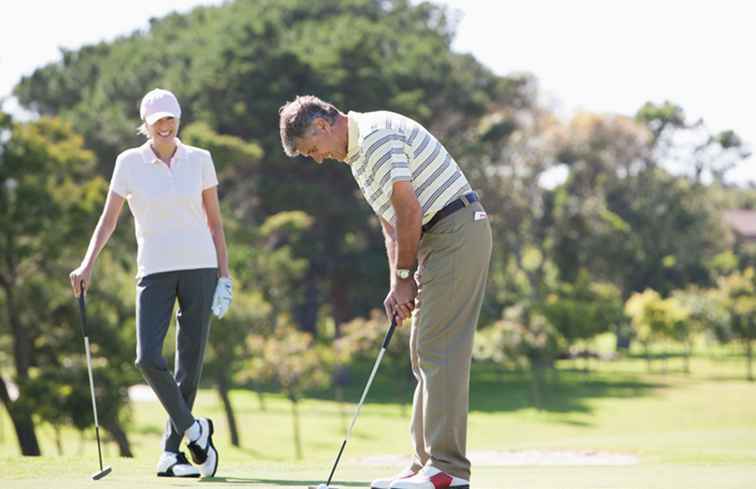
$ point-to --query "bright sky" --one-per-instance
(602, 56)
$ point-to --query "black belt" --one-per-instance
(450, 209)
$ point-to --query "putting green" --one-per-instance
(130, 474)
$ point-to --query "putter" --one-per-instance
(386, 341)
(82, 310)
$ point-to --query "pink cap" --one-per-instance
(159, 103)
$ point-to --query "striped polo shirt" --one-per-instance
(386, 147)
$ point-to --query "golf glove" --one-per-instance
(222, 297)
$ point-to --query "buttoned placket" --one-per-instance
(171, 169)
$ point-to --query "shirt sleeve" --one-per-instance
(387, 161)
(400, 166)
(119, 183)
(209, 178)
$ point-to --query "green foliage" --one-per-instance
(361, 340)
(737, 294)
(520, 337)
(49, 197)
(233, 66)
(584, 309)
(303, 244)
(655, 318)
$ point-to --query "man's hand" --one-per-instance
(400, 300)
(222, 298)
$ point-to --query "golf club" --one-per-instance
(82, 310)
(386, 341)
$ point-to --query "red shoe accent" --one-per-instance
(441, 480)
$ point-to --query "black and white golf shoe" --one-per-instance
(203, 451)
(175, 465)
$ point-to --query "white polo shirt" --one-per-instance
(166, 202)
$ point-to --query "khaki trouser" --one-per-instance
(453, 268)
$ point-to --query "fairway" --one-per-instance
(673, 430)
(255, 475)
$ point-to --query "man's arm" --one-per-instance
(408, 223)
(389, 236)
(401, 248)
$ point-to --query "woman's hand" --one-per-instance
(80, 279)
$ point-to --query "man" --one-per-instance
(432, 219)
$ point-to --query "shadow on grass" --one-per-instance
(282, 482)
(493, 389)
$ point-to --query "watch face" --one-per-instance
(402, 273)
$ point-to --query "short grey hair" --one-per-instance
(296, 117)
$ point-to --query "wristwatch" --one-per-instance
(403, 273)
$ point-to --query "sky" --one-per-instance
(606, 56)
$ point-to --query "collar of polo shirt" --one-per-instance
(149, 156)
(353, 136)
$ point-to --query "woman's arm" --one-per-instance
(215, 223)
(104, 229)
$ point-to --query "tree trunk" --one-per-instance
(22, 343)
(340, 309)
(648, 357)
(119, 437)
(537, 383)
(686, 363)
(260, 397)
(306, 314)
(58, 440)
(339, 391)
(295, 421)
(223, 391)
(22, 422)
(749, 358)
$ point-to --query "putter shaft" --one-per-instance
(386, 341)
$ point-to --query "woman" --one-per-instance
(172, 193)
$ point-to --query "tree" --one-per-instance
(290, 360)
(737, 293)
(582, 310)
(522, 336)
(705, 315)
(690, 147)
(626, 221)
(361, 340)
(233, 66)
(655, 318)
(47, 196)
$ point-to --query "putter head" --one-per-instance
(99, 475)
(322, 486)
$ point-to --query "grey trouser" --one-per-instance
(156, 295)
(453, 268)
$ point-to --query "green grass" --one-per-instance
(689, 431)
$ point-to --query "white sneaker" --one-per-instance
(210, 466)
(386, 483)
(431, 478)
(203, 451)
(175, 465)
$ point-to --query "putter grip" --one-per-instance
(389, 333)
(83, 313)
